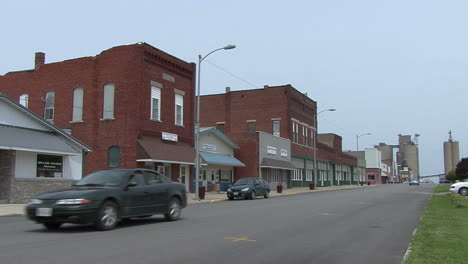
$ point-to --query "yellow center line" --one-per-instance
(238, 239)
(327, 214)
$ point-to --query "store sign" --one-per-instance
(271, 150)
(169, 136)
(209, 147)
(49, 166)
(284, 152)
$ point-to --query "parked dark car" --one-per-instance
(249, 188)
(104, 197)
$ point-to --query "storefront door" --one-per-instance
(184, 176)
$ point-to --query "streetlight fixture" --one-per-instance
(197, 121)
(315, 143)
(357, 139)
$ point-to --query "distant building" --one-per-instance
(408, 155)
(451, 154)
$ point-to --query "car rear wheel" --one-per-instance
(174, 210)
(107, 216)
(252, 195)
(52, 226)
(267, 194)
(464, 191)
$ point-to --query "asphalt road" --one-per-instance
(366, 225)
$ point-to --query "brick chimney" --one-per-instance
(39, 60)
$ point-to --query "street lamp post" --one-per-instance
(197, 121)
(357, 139)
(315, 143)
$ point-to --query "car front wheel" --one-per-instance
(464, 191)
(174, 210)
(252, 195)
(107, 216)
(52, 226)
(267, 194)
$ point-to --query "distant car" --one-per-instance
(445, 181)
(459, 188)
(249, 188)
(104, 197)
(413, 182)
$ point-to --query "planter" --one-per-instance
(312, 186)
(201, 192)
(279, 188)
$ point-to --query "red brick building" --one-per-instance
(131, 104)
(284, 112)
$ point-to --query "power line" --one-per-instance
(232, 74)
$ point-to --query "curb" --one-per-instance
(288, 194)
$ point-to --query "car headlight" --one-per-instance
(72, 201)
(35, 201)
(245, 189)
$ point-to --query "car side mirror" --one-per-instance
(131, 184)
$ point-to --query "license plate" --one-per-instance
(44, 212)
(236, 193)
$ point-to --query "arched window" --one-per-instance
(24, 100)
(114, 157)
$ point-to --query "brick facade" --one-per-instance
(262, 106)
(23, 189)
(131, 69)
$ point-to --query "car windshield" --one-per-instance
(103, 178)
(245, 181)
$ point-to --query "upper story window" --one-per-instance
(108, 109)
(179, 109)
(276, 128)
(295, 130)
(304, 135)
(251, 126)
(114, 157)
(24, 100)
(77, 105)
(155, 103)
(49, 106)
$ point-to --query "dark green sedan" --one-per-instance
(104, 197)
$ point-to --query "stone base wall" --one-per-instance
(23, 189)
(6, 161)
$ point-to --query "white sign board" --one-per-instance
(271, 150)
(284, 152)
(208, 147)
(169, 136)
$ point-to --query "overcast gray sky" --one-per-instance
(388, 67)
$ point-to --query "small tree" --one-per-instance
(462, 169)
(451, 176)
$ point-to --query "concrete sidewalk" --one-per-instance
(210, 197)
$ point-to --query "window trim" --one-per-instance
(181, 104)
(46, 107)
(75, 106)
(155, 95)
(109, 104)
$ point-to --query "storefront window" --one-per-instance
(49, 166)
